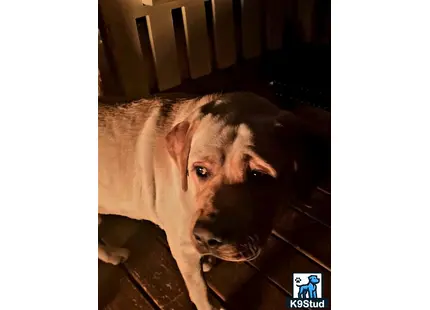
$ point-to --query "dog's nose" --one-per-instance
(205, 237)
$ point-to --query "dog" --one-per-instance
(309, 289)
(212, 172)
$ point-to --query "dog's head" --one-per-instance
(237, 157)
(313, 279)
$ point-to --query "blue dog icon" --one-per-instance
(309, 289)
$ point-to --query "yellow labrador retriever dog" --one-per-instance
(210, 171)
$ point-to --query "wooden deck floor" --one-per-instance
(300, 242)
(150, 278)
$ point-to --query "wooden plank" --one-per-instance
(243, 287)
(115, 289)
(305, 15)
(108, 279)
(225, 46)
(318, 205)
(155, 270)
(325, 186)
(120, 20)
(227, 280)
(196, 36)
(279, 261)
(148, 58)
(181, 43)
(320, 122)
(297, 229)
(116, 292)
(258, 294)
(213, 297)
(116, 231)
(251, 28)
(276, 12)
(162, 38)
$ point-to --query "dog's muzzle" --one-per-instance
(208, 242)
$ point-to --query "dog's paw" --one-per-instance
(118, 256)
(208, 263)
(206, 267)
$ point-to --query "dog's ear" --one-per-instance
(309, 148)
(178, 145)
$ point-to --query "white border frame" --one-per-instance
(48, 154)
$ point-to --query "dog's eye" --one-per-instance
(256, 174)
(202, 172)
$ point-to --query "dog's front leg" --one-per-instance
(188, 260)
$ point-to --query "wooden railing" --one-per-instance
(144, 40)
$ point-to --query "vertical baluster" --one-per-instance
(275, 23)
(305, 13)
(162, 38)
(251, 28)
(119, 18)
(225, 47)
(196, 36)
